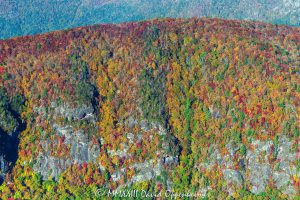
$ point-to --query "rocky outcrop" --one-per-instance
(151, 168)
(81, 150)
(256, 166)
(263, 162)
(285, 167)
(78, 146)
(84, 112)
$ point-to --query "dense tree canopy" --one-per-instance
(204, 81)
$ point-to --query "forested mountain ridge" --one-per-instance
(189, 105)
(29, 17)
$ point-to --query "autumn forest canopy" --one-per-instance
(195, 105)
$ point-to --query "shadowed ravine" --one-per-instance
(9, 148)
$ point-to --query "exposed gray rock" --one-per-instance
(170, 160)
(48, 166)
(93, 152)
(203, 191)
(130, 137)
(116, 176)
(65, 130)
(132, 122)
(152, 168)
(144, 172)
(119, 153)
(233, 176)
(214, 112)
(259, 177)
(281, 179)
(3, 167)
(283, 174)
(147, 175)
(257, 166)
(214, 158)
(161, 130)
(145, 125)
(81, 151)
(169, 185)
(289, 190)
(83, 112)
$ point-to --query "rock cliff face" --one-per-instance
(153, 167)
(265, 163)
(81, 149)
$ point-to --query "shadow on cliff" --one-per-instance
(9, 146)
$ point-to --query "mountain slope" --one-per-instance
(206, 106)
(31, 17)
